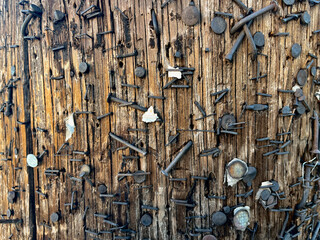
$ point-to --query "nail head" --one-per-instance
(140, 72)
(191, 15)
(54, 217)
(83, 67)
(219, 218)
(218, 25)
(302, 77)
(32, 160)
(146, 220)
(296, 50)
(259, 39)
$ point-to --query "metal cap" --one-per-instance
(226, 120)
(140, 72)
(265, 194)
(32, 160)
(84, 170)
(146, 219)
(102, 189)
(209, 237)
(58, 15)
(258, 38)
(296, 50)
(250, 175)
(302, 77)
(54, 217)
(305, 18)
(191, 15)
(237, 169)
(241, 219)
(140, 178)
(219, 218)
(218, 25)
(83, 67)
(288, 2)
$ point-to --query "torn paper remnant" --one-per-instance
(69, 126)
(149, 116)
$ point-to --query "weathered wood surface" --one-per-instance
(46, 103)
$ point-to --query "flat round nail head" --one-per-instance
(54, 217)
(237, 169)
(35, 8)
(226, 120)
(286, 110)
(11, 196)
(288, 2)
(140, 72)
(9, 213)
(313, 71)
(219, 218)
(265, 194)
(191, 15)
(258, 39)
(296, 50)
(298, 93)
(305, 18)
(272, 199)
(139, 178)
(58, 15)
(146, 220)
(209, 237)
(250, 175)
(302, 77)
(83, 67)
(32, 160)
(13, 70)
(300, 109)
(226, 209)
(218, 25)
(102, 189)
(178, 54)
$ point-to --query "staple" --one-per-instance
(220, 97)
(264, 94)
(120, 203)
(41, 130)
(310, 63)
(194, 217)
(31, 38)
(88, 9)
(23, 123)
(219, 92)
(180, 86)
(177, 179)
(42, 194)
(280, 34)
(170, 83)
(129, 85)
(195, 130)
(229, 132)
(270, 153)
(149, 207)
(101, 215)
(137, 130)
(45, 225)
(229, 15)
(112, 98)
(93, 15)
(262, 139)
(52, 170)
(156, 97)
(285, 91)
(83, 35)
(50, 174)
(200, 108)
(312, 55)
(217, 197)
(91, 232)
(58, 48)
(209, 115)
(285, 144)
(104, 115)
(107, 195)
(135, 53)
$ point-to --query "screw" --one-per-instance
(177, 158)
(238, 25)
(135, 53)
(117, 138)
